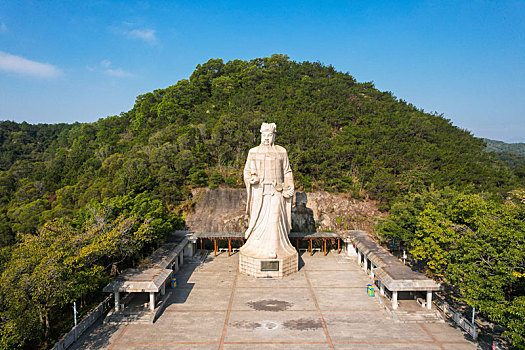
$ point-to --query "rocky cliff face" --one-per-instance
(336, 212)
(218, 210)
(223, 210)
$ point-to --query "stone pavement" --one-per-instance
(323, 306)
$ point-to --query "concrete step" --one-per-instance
(409, 317)
(120, 318)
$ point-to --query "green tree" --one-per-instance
(471, 242)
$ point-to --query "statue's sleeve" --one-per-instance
(287, 171)
(288, 181)
(247, 176)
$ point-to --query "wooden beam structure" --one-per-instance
(298, 236)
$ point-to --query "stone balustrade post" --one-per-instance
(117, 300)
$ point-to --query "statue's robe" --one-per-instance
(270, 212)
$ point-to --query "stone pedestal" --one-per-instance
(268, 268)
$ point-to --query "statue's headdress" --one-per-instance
(268, 127)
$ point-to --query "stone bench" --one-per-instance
(421, 302)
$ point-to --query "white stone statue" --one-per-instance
(269, 182)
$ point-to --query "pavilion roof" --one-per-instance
(395, 275)
(136, 280)
(164, 256)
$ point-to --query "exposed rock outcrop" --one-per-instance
(224, 210)
(218, 210)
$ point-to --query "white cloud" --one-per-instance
(3, 28)
(143, 34)
(104, 67)
(21, 65)
(118, 73)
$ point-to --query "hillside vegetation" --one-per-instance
(80, 202)
(512, 154)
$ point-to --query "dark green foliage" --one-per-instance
(216, 179)
(515, 161)
(27, 141)
(198, 178)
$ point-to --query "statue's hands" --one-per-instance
(288, 193)
(254, 179)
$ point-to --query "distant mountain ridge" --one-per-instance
(512, 154)
(500, 146)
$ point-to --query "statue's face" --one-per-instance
(267, 138)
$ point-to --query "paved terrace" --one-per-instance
(323, 306)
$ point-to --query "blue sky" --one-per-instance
(66, 61)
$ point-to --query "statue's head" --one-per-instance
(300, 198)
(268, 133)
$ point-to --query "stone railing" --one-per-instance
(462, 321)
(84, 324)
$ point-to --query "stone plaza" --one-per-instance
(323, 306)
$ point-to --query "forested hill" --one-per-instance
(341, 135)
(101, 195)
(28, 142)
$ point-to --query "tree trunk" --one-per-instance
(47, 325)
(114, 270)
